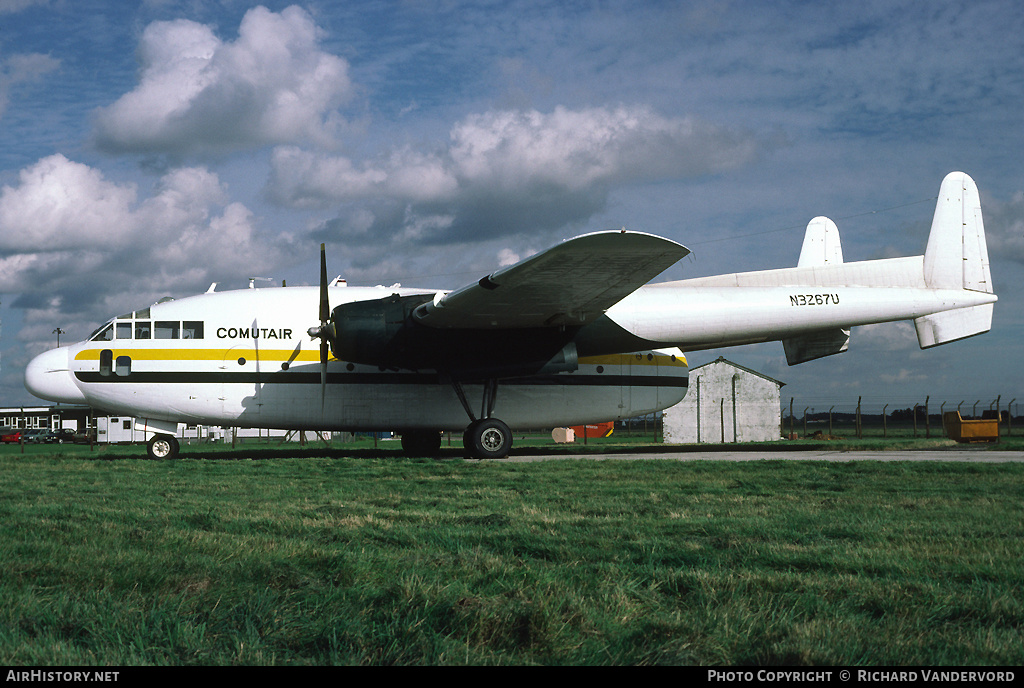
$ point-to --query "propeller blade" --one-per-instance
(325, 306)
(323, 374)
(325, 319)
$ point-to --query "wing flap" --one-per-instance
(570, 284)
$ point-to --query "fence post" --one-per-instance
(998, 419)
(858, 417)
(927, 421)
(791, 416)
(885, 422)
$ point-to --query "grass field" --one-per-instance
(358, 556)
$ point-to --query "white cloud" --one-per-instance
(60, 204)
(575, 149)
(199, 95)
(885, 337)
(86, 247)
(511, 171)
(303, 179)
(507, 256)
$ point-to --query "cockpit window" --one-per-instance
(147, 329)
(103, 334)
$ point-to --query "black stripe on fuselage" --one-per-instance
(383, 378)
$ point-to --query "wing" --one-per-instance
(570, 284)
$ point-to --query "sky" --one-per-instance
(148, 149)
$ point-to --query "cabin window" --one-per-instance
(143, 329)
(123, 330)
(167, 329)
(192, 329)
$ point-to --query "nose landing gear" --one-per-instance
(162, 447)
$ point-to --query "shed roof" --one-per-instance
(723, 359)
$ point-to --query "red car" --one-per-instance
(9, 435)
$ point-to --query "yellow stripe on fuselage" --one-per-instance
(201, 354)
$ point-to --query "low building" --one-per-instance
(726, 402)
(76, 418)
(111, 429)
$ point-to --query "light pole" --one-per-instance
(58, 332)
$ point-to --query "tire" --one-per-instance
(162, 447)
(421, 442)
(489, 438)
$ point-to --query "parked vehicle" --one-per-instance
(42, 436)
(10, 435)
(35, 436)
(62, 435)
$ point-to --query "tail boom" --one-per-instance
(947, 292)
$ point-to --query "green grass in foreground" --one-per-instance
(319, 560)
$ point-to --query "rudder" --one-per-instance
(957, 254)
(956, 258)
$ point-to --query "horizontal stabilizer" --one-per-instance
(949, 326)
(816, 345)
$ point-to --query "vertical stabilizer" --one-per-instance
(821, 244)
(956, 258)
(957, 255)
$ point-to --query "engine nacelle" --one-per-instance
(368, 332)
(383, 333)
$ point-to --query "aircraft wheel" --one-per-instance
(162, 447)
(421, 442)
(488, 439)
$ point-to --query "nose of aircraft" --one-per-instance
(48, 377)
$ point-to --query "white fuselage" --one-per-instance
(253, 365)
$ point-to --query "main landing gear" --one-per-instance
(484, 438)
(487, 437)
